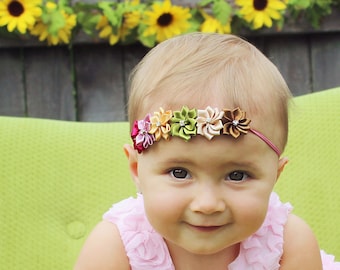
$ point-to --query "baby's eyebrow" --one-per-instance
(177, 160)
(237, 165)
(184, 161)
(244, 164)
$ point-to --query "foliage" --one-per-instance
(58, 22)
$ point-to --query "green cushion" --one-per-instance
(57, 178)
(311, 180)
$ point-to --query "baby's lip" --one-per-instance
(205, 228)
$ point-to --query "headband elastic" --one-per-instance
(187, 123)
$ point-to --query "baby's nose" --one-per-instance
(208, 199)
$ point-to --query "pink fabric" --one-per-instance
(328, 262)
(147, 250)
(144, 247)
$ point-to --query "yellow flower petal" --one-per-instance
(22, 18)
(253, 12)
(166, 20)
(113, 39)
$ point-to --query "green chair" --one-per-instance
(57, 178)
(311, 180)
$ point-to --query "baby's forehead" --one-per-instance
(220, 151)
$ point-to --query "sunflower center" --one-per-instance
(165, 19)
(15, 8)
(260, 4)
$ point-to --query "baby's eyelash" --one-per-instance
(179, 173)
(238, 176)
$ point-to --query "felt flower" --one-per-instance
(160, 125)
(183, 123)
(140, 136)
(235, 122)
(209, 123)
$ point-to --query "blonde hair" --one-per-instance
(199, 69)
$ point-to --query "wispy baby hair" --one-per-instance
(201, 70)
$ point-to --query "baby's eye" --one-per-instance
(180, 173)
(237, 176)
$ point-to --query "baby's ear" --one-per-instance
(282, 163)
(131, 155)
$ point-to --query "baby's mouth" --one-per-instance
(204, 228)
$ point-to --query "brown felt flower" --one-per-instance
(235, 122)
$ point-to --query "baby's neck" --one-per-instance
(184, 260)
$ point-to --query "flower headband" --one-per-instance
(191, 122)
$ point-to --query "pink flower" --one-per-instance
(140, 135)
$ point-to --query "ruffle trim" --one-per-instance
(144, 247)
(263, 250)
(328, 262)
(147, 250)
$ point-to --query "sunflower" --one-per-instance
(58, 27)
(106, 30)
(130, 20)
(212, 25)
(19, 14)
(165, 20)
(261, 12)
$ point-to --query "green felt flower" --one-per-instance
(183, 123)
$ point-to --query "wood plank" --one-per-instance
(132, 55)
(291, 56)
(100, 83)
(49, 83)
(258, 42)
(325, 57)
(12, 94)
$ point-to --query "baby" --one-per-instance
(209, 121)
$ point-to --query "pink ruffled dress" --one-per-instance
(147, 250)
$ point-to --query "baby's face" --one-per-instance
(206, 196)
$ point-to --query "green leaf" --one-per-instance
(222, 11)
(55, 20)
(57, 23)
(149, 41)
(88, 21)
(196, 20)
(300, 4)
(203, 3)
(63, 3)
(109, 12)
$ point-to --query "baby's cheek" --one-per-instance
(254, 211)
(163, 209)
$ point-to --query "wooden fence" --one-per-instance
(88, 81)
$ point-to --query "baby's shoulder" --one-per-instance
(300, 249)
(103, 249)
